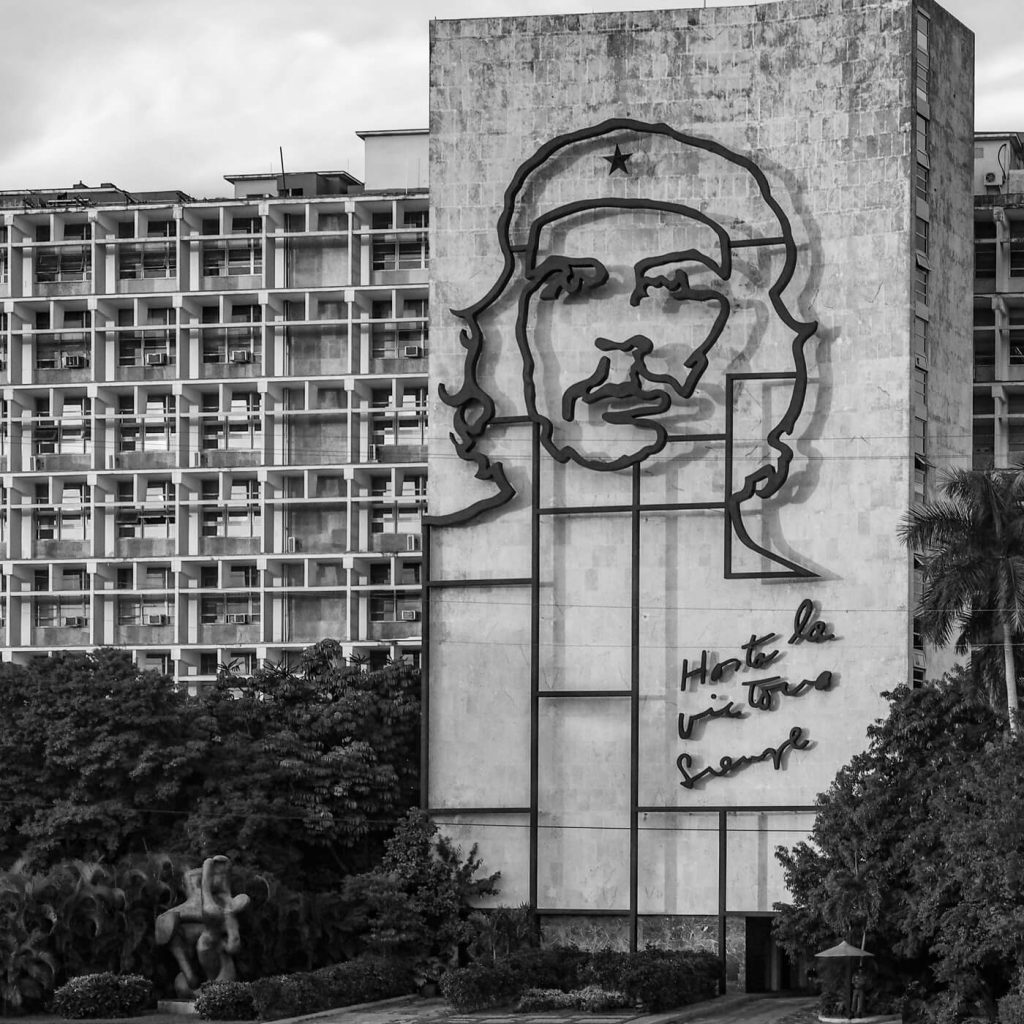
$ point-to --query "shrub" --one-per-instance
(478, 986)
(288, 995)
(1011, 1008)
(660, 979)
(592, 999)
(366, 979)
(103, 995)
(225, 1000)
(355, 981)
(536, 1000)
(553, 967)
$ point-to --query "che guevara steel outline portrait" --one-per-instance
(641, 395)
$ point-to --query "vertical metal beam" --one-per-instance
(723, 849)
(534, 659)
(425, 673)
(726, 519)
(634, 712)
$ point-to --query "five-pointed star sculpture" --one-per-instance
(617, 161)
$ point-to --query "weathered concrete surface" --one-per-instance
(818, 95)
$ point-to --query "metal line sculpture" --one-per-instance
(635, 398)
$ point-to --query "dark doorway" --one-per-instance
(768, 967)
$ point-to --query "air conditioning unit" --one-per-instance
(241, 355)
(412, 352)
(292, 544)
(410, 616)
(74, 621)
(156, 620)
(156, 358)
(991, 178)
(412, 543)
(238, 620)
(73, 362)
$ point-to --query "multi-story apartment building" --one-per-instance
(998, 299)
(212, 431)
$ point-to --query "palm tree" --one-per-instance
(972, 544)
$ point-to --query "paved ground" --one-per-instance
(740, 1009)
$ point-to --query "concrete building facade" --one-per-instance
(212, 436)
(998, 426)
(700, 283)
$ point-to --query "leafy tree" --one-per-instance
(307, 774)
(972, 542)
(93, 755)
(301, 775)
(914, 848)
(418, 901)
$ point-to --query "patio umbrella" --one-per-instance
(845, 951)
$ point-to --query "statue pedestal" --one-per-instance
(186, 1007)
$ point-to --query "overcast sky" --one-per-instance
(153, 94)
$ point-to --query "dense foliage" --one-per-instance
(916, 851)
(103, 995)
(971, 544)
(302, 775)
(83, 918)
(416, 902)
(655, 978)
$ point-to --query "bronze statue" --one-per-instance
(202, 932)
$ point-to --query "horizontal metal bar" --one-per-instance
(668, 506)
(697, 437)
(740, 808)
(499, 581)
(585, 693)
(478, 810)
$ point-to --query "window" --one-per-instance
(294, 222)
(921, 285)
(74, 579)
(1017, 250)
(208, 577)
(922, 180)
(77, 232)
(921, 234)
(240, 258)
(381, 221)
(235, 609)
(921, 136)
(45, 613)
(67, 263)
(248, 313)
(161, 229)
(246, 225)
(414, 308)
(149, 260)
(244, 577)
(920, 336)
(416, 218)
(985, 249)
(230, 522)
(380, 574)
(387, 254)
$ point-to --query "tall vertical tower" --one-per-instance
(700, 284)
